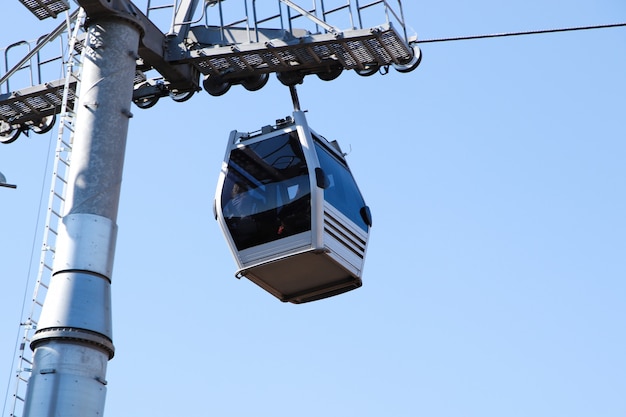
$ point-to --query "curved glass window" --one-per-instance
(342, 191)
(266, 194)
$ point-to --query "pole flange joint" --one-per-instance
(75, 335)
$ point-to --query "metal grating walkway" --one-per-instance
(46, 8)
(34, 103)
(352, 49)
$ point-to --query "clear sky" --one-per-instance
(495, 279)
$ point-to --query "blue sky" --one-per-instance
(495, 278)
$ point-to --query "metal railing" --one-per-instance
(323, 17)
(33, 61)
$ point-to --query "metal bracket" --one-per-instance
(181, 77)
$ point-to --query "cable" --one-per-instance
(531, 32)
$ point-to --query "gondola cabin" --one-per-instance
(292, 213)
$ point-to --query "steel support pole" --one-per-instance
(74, 342)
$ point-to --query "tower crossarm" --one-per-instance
(262, 40)
(306, 53)
(180, 76)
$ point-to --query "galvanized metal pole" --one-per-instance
(74, 339)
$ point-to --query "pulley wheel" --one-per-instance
(412, 63)
(8, 132)
(290, 78)
(330, 74)
(369, 70)
(180, 97)
(44, 125)
(255, 82)
(146, 102)
(215, 86)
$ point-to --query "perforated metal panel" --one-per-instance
(354, 49)
(46, 8)
(34, 102)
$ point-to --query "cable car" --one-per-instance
(291, 212)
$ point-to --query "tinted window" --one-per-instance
(342, 192)
(266, 194)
